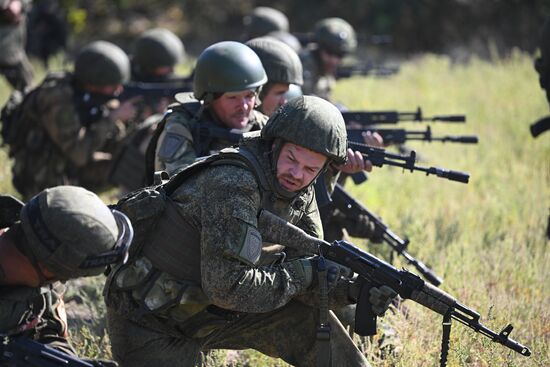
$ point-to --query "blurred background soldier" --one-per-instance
(67, 129)
(334, 38)
(282, 66)
(226, 83)
(14, 64)
(263, 20)
(62, 233)
(155, 56)
(288, 38)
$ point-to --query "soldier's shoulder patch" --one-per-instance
(251, 247)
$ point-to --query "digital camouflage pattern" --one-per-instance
(56, 147)
(64, 225)
(178, 145)
(14, 63)
(246, 300)
(313, 123)
(316, 82)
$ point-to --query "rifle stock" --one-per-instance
(376, 272)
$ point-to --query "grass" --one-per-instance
(487, 239)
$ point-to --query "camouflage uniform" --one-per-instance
(204, 279)
(315, 82)
(14, 63)
(62, 134)
(180, 142)
(68, 231)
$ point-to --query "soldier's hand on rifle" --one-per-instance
(311, 266)
(126, 111)
(373, 139)
(356, 163)
(362, 227)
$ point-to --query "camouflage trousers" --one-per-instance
(288, 333)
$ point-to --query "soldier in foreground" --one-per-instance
(62, 233)
(334, 38)
(226, 83)
(203, 278)
(14, 63)
(66, 130)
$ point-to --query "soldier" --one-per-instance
(263, 20)
(288, 38)
(203, 278)
(282, 66)
(66, 130)
(226, 83)
(62, 233)
(14, 64)
(156, 53)
(334, 38)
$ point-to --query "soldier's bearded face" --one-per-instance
(234, 108)
(297, 166)
(274, 98)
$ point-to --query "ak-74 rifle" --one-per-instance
(21, 351)
(352, 208)
(400, 136)
(393, 117)
(372, 271)
(380, 157)
(156, 90)
(366, 69)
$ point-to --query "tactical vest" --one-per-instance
(161, 272)
(201, 128)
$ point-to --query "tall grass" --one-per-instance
(487, 238)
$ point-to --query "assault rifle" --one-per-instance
(380, 157)
(372, 271)
(393, 117)
(347, 204)
(367, 69)
(400, 136)
(155, 90)
(26, 352)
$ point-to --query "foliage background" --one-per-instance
(487, 238)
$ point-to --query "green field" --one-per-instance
(487, 239)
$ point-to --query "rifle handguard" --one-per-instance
(449, 118)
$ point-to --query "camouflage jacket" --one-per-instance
(211, 227)
(179, 145)
(315, 83)
(56, 145)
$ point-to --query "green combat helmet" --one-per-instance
(335, 35)
(72, 233)
(156, 48)
(313, 123)
(227, 66)
(287, 38)
(263, 20)
(102, 63)
(281, 63)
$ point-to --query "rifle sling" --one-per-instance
(445, 338)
